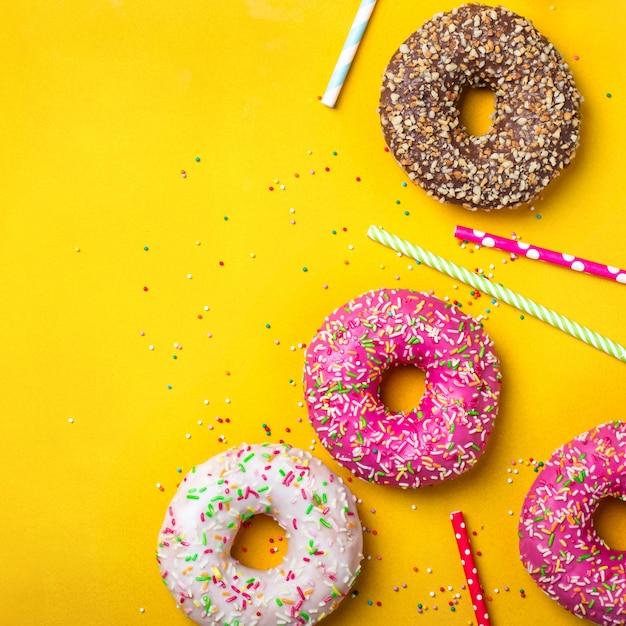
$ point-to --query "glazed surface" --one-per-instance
(313, 506)
(440, 438)
(558, 543)
(535, 125)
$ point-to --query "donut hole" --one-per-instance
(477, 107)
(609, 522)
(402, 388)
(260, 543)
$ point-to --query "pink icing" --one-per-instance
(446, 433)
(558, 544)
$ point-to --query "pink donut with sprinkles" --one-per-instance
(558, 544)
(440, 438)
(313, 506)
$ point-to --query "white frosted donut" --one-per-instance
(312, 505)
(559, 546)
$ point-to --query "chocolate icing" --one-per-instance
(535, 130)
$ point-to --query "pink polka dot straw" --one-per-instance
(542, 254)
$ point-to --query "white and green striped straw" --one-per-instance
(348, 51)
(498, 291)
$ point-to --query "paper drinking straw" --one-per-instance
(347, 53)
(498, 291)
(542, 254)
(469, 568)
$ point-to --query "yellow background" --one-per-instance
(102, 105)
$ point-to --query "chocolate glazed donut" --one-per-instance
(535, 130)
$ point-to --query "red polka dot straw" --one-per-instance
(469, 567)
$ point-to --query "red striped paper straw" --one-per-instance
(469, 567)
(542, 254)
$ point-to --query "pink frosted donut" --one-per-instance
(313, 506)
(558, 544)
(446, 433)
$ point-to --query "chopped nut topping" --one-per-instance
(536, 122)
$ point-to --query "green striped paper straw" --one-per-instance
(498, 291)
(348, 51)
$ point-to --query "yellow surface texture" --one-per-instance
(150, 319)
